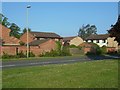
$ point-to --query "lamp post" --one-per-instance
(27, 31)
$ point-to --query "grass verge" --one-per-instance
(94, 74)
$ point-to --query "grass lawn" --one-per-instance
(93, 74)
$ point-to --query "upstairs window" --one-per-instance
(97, 41)
(103, 41)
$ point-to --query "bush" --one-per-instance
(31, 54)
(95, 50)
(73, 46)
(22, 43)
(103, 49)
(21, 55)
(118, 51)
(65, 52)
(53, 53)
(5, 55)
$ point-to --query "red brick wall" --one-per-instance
(5, 35)
(23, 38)
(44, 47)
(4, 32)
(37, 50)
(111, 49)
(11, 50)
(86, 50)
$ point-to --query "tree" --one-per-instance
(115, 31)
(15, 30)
(87, 30)
(25, 30)
(4, 20)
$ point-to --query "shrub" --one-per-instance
(73, 46)
(103, 49)
(65, 51)
(21, 55)
(31, 54)
(95, 50)
(22, 43)
(5, 55)
(53, 53)
(59, 45)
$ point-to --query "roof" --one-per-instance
(68, 38)
(37, 42)
(45, 34)
(3, 30)
(87, 44)
(97, 37)
(11, 41)
(6, 38)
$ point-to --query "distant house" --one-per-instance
(74, 40)
(88, 47)
(39, 36)
(103, 40)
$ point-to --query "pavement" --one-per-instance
(64, 60)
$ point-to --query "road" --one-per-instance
(24, 63)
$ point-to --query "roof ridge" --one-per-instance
(41, 32)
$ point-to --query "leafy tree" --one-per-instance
(87, 30)
(115, 31)
(4, 20)
(15, 30)
(25, 30)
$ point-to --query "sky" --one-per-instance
(63, 18)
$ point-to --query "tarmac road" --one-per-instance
(25, 63)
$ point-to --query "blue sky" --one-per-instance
(65, 18)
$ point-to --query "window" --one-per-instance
(91, 40)
(103, 41)
(97, 41)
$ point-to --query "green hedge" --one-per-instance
(60, 51)
(19, 55)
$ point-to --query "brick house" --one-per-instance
(8, 43)
(103, 40)
(74, 40)
(39, 36)
(41, 46)
(6, 38)
(87, 47)
(37, 45)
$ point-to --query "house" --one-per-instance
(87, 47)
(6, 38)
(8, 43)
(74, 40)
(41, 46)
(103, 40)
(39, 42)
(39, 36)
